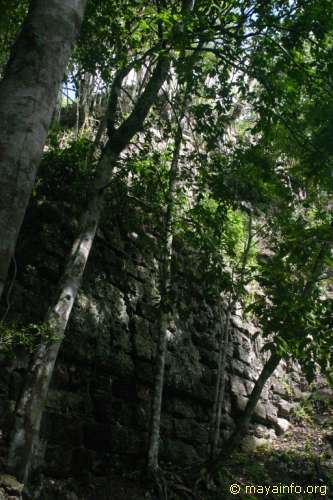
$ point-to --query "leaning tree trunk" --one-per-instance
(268, 368)
(245, 419)
(31, 405)
(28, 94)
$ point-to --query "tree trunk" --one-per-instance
(31, 405)
(268, 369)
(165, 308)
(165, 299)
(28, 94)
(220, 385)
(220, 381)
(245, 419)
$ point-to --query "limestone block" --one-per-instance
(249, 386)
(241, 403)
(121, 364)
(181, 408)
(271, 434)
(250, 328)
(284, 408)
(65, 401)
(244, 353)
(271, 413)
(205, 393)
(227, 404)
(242, 369)
(261, 431)
(179, 452)
(251, 443)
(265, 393)
(279, 388)
(297, 394)
(225, 434)
(281, 426)
(237, 322)
(238, 386)
(10, 484)
(260, 412)
(209, 376)
(205, 340)
(120, 338)
(227, 421)
(190, 432)
(135, 290)
(144, 345)
(209, 357)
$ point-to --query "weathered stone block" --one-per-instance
(209, 358)
(284, 408)
(143, 342)
(121, 364)
(281, 426)
(242, 369)
(240, 403)
(260, 412)
(227, 421)
(190, 431)
(180, 408)
(278, 388)
(251, 443)
(271, 413)
(10, 484)
(178, 452)
(238, 386)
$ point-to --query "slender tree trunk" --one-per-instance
(165, 300)
(28, 94)
(31, 404)
(220, 381)
(220, 384)
(164, 310)
(245, 419)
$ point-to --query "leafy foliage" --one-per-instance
(12, 16)
(28, 337)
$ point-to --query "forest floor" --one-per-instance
(297, 465)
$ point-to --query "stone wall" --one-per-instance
(99, 403)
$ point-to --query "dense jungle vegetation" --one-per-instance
(215, 117)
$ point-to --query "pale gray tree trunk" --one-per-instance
(220, 382)
(223, 347)
(165, 306)
(31, 404)
(28, 94)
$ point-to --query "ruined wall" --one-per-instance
(99, 403)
